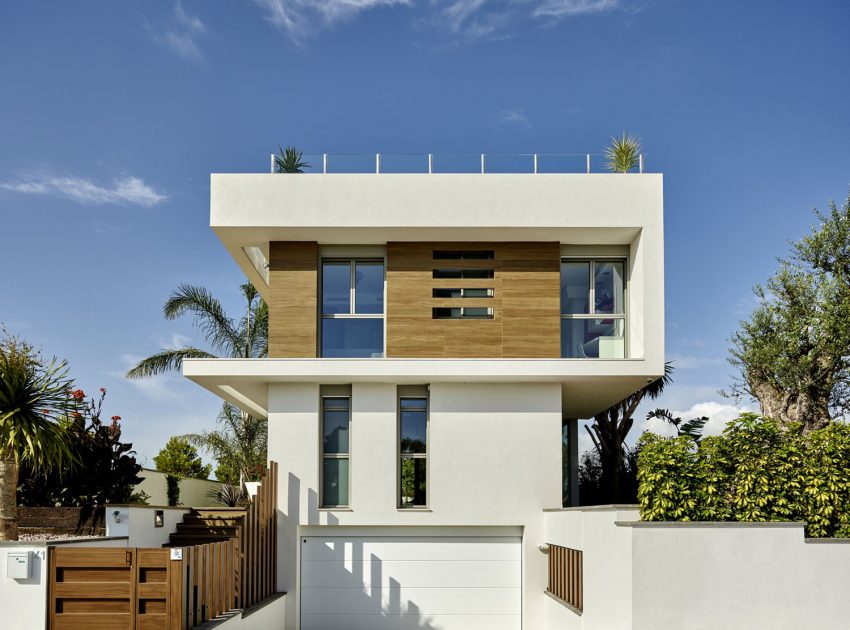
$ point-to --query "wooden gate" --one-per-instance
(114, 589)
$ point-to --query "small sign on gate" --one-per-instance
(177, 554)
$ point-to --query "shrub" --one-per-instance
(757, 470)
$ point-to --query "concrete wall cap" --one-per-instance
(711, 524)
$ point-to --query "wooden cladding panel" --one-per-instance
(566, 579)
(293, 295)
(526, 321)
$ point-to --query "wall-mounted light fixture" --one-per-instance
(159, 518)
(116, 516)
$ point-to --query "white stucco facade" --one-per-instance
(494, 437)
(494, 465)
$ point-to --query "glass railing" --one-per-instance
(457, 163)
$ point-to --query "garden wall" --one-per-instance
(61, 520)
(698, 576)
(193, 492)
(137, 523)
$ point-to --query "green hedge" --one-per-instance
(757, 470)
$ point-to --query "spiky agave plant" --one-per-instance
(35, 400)
(623, 153)
(289, 160)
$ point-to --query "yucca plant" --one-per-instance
(229, 495)
(35, 400)
(623, 153)
(289, 160)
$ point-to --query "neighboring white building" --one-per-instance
(432, 337)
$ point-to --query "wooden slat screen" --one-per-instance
(258, 562)
(565, 575)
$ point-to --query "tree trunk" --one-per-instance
(8, 495)
(784, 406)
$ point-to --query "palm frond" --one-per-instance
(166, 361)
(209, 317)
(694, 427)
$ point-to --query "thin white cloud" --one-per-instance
(512, 117)
(121, 191)
(302, 18)
(569, 8)
(692, 362)
(180, 36)
(718, 414)
(492, 19)
(160, 388)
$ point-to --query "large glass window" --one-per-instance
(352, 318)
(413, 452)
(336, 421)
(590, 288)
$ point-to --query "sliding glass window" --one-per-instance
(352, 317)
(336, 421)
(593, 309)
(413, 452)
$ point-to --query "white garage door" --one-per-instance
(410, 583)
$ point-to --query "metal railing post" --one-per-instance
(430, 163)
(640, 163)
(535, 164)
(482, 163)
(324, 163)
(588, 162)
(272, 163)
(377, 162)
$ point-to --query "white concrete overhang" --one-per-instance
(587, 385)
(250, 210)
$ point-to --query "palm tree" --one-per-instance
(248, 338)
(692, 427)
(35, 399)
(623, 153)
(608, 433)
(289, 160)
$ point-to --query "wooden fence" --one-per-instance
(565, 575)
(144, 589)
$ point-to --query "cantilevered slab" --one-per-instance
(588, 385)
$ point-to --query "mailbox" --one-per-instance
(19, 565)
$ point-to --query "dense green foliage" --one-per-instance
(757, 470)
(793, 353)
(180, 459)
(106, 469)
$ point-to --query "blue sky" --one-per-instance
(113, 115)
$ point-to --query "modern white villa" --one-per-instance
(433, 340)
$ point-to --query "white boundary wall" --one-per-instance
(137, 523)
(193, 492)
(23, 603)
(698, 576)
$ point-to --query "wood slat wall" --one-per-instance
(293, 294)
(565, 575)
(526, 302)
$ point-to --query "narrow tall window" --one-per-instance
(352, 316)
(413, 452)
(593, 310)
(336, 420)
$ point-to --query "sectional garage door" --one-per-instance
(407, 583)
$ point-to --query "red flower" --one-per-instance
(116, 418)
(78, 394)
(102, 390)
